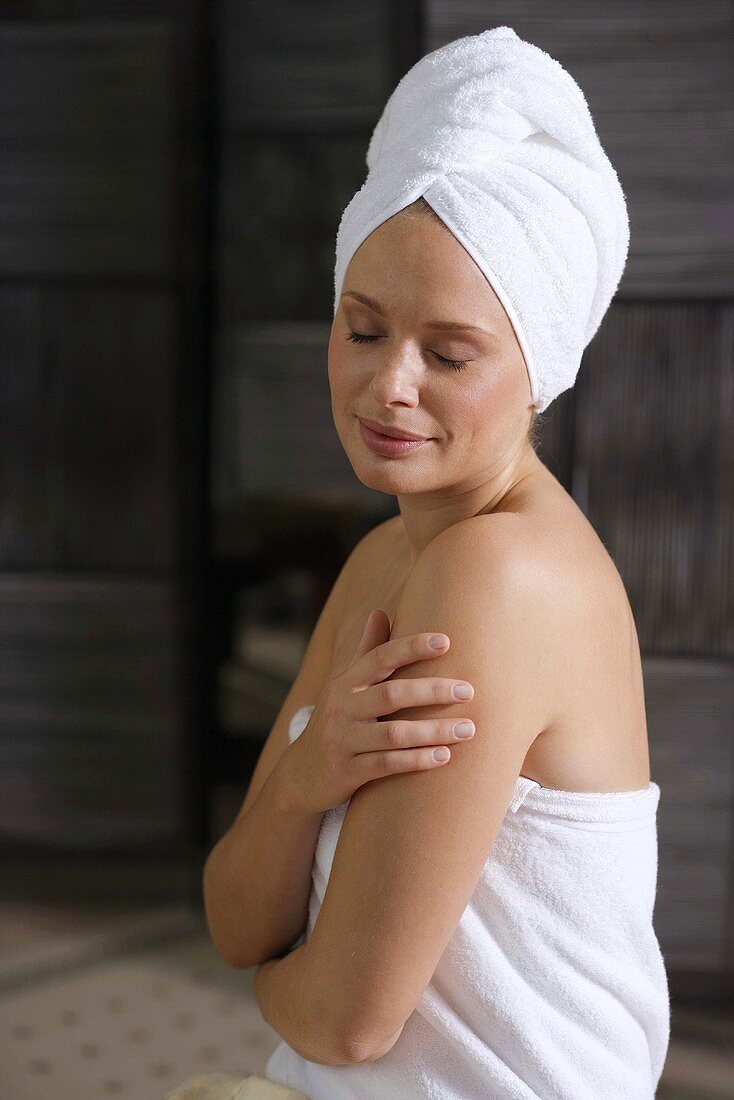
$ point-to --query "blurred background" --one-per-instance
(175, 504)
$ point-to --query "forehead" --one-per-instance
(411, 264)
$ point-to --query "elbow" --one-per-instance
(241, 956)
(348, 1036)
(231, 954)
(333, 1048)
(359, 1049)
(323, 1026)
(330, 1041)
(232, 934)
(237, 962)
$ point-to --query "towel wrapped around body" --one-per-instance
(552, 985)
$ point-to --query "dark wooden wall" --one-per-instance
(102, 298)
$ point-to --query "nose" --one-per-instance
(396, 380)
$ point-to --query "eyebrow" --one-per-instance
(446, 326)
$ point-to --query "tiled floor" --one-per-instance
(129, 1003)
(124, 1019)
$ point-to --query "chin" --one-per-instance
(389, 475)
(404, 474)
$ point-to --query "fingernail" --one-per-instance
(438, 641)
(463, 729)
(463, 691)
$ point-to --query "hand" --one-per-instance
(344, 745)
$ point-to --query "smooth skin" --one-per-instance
(478, 417)
(344, 745)
(499, 558)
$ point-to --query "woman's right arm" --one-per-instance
(257, 878)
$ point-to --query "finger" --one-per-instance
(389, 696)
(375, 765)
(376, 631)
(405, 734)
(383, 659)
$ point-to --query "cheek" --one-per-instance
(473, 404)
(336, 369)
(496, 392)
(480, 410)
(343, 374)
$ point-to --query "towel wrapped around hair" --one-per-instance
(497, 137)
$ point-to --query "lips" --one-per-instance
(386, 446)
(392, 433)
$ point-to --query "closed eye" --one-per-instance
(453, 364)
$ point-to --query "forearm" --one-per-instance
(287, 992)
(257, 879)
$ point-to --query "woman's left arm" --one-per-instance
(412, 845)
(292, 1002)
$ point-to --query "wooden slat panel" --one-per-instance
(273, 425)
(91, 750)
(87, 447)
(304, 66)
(659, 80)
(654, 466)
(88, 138)
(280, 204)
(690, 709)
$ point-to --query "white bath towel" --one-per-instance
(225, 1086)
(498, 138)
(552, 986)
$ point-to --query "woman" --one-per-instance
(487, 929)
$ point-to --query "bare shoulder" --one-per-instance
(553, 578)
(496, 537)
(541, 554)
(538, 571)
(378, 552)
(471, 582)
(497, 560)
(548, 550)
(500, 549)
(569, 608)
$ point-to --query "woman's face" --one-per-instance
(388, 362)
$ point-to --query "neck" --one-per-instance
(425, 515)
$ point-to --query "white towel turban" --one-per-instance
(499, 139)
